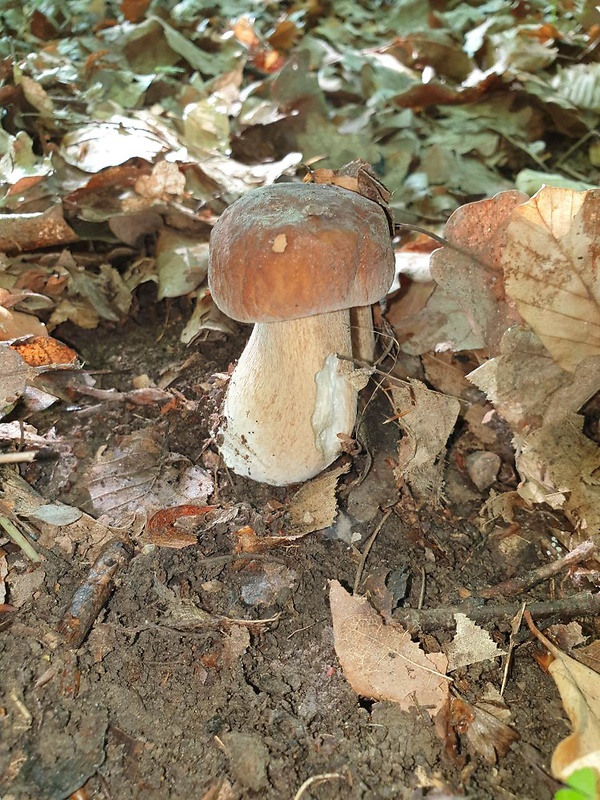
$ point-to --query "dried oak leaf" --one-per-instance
(381, 661)
(470, 268)
(551, 263)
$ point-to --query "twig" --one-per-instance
(514, 632)
(20, 540)
(408, 226)
(93, 593)
(26, 456)
(533, 577)
(423, 586)
(326, 776)
(429, 619)
(365, 553)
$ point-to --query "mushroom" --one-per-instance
(294, 259)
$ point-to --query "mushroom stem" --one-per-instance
(288, 399)
(363, 336)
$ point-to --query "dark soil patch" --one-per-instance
(146, 709)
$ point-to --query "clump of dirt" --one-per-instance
(212, 673)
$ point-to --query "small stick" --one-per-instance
(26, 456)
(514, 631)
(20, 540)
(430, 619)
(523, 582)
(365, 553)
(315, 779)
(92, 594)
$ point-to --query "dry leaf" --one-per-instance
(381, 661)
(560, 466)
(483, 726)
(314, 506)
(551, 270)
(162, 529)
(426, 419)
(527, 387)
(470, 269)
(579, 688)
(470, 644)
(137, 477)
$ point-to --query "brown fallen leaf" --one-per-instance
(44, 351)
(470, 268)
(483, 726)
(137, 477)
(162, 530)
(579, 688)
(381, 661)
(550, 262)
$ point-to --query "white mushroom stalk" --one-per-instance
(289, 398)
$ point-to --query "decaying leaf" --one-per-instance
(560, 466)
(550, 261)
(314, 506)
(470, 644)
(162, 529)
(381, 661)
(484, 725)
(15, 376)
(137, 477)
(469, 268)
(579, 688)
(426, 419)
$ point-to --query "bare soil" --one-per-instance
(145, 710)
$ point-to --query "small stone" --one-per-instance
(248, 759)
(483, 468)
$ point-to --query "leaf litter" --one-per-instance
(144, 128)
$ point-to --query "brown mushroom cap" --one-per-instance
(297, 249)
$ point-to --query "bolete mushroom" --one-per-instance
(293, 259)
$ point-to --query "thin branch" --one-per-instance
(585, 604)
(522, 583)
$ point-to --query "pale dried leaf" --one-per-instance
(235, 643)
(314, 506)
(566, 637)
(136, 478)
(560, 465)
(579, 688)
(426, 419)
(528, 388)
(206, 317)
(470, 644)
(382, 662)
(426, 319)
(590, 655)
(182, 263)
(469, 269)
(551, 270)
(99, 145)
(14, 374)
